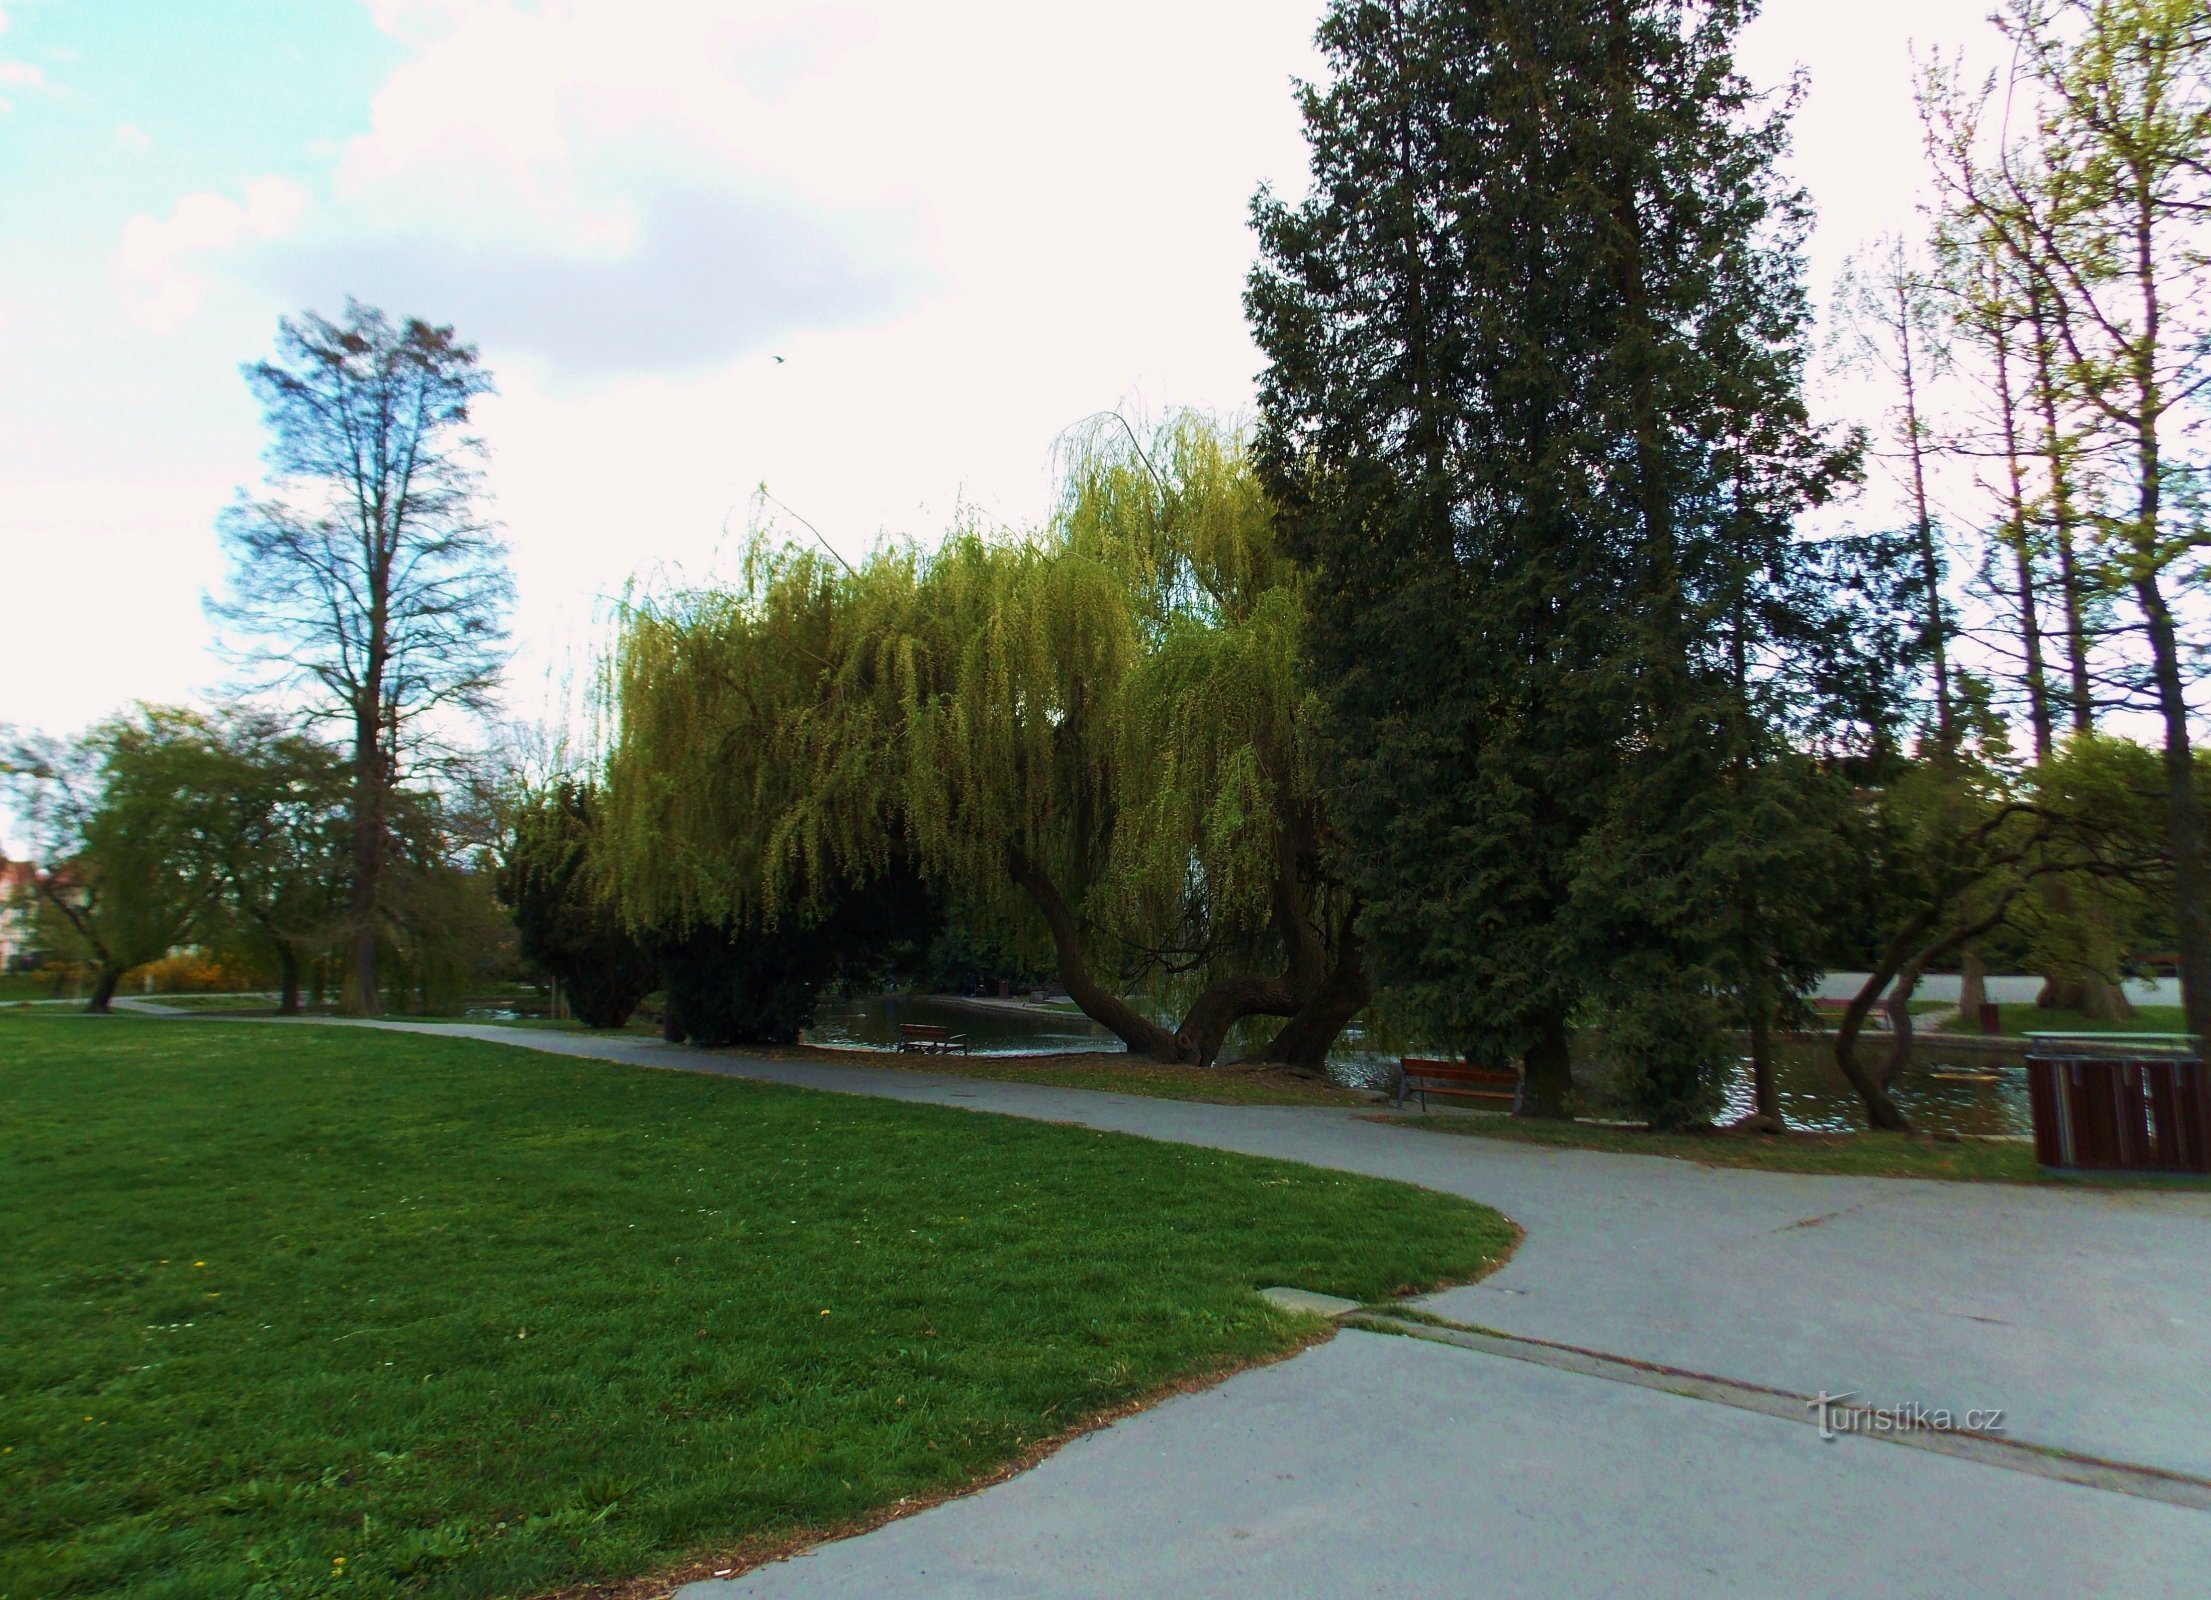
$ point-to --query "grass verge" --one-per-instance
(309, 1311)
(1859, 1155)
(2019, 1020)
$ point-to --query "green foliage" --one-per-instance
(2089, 924)
(1534, 412)
(115, 842)
(268, 809)
(1114, 704)
(561, 918)
(760, 985)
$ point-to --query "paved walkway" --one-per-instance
(1383, 1465)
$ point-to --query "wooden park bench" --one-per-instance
(1455, 1080)
(930, 1040)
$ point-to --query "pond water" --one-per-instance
(870, 1022)
(1956, 1092)
(1945, 1092)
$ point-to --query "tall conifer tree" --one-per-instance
(1533, 409)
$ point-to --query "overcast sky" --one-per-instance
(962, 227)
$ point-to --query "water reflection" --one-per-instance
(871, 1023)
(1957, 1093)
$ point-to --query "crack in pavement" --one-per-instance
(1856, 1422)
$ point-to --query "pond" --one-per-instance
(1001, 1028)
(1942, 1092)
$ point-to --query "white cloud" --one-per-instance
(23, 74)
(18, 75)
(618, 187)
(130, 136)
(964, 226)
(708, 276)
(160, 261)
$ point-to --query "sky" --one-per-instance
(877, 256)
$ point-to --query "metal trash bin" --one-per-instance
(2119, 1102)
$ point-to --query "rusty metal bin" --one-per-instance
(2128, 1102)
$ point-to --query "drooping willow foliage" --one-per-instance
(1088, 739)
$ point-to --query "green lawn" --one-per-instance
(29, 986)
(2024, 1019)
(1865, 1155)
(303, 1311)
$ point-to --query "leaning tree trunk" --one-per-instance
(1205, 1025)
(1907, 982)
(1304, 1041)
(103, 988)
(1899, 1005)
(1881, 1111)
(1142, 1035)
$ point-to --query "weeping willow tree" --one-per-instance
(1089, 740)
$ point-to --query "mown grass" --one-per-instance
(306, 1311)
(1858, 1155)
(2018, 1020)
(31, 986)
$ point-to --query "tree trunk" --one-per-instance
(1881, 1111)
(1899, 1007)
(1765, 1095)
(2030, 611)
(1547, 1072)
(287, 963)
(1142, 1035)
(1972, 988)
(2183, 813)
(1304, 1042)
(357, 994)
(1907, 984)
(103, 988)
(1206, 1024)
(1930, 559)
(2080, 699)
(2101, 1000)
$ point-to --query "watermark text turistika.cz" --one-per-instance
(1836, 1416)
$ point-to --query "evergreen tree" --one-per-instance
(1533, 411)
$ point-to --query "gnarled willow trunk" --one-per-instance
(1142, 1035)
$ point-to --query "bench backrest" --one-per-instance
(922, 1030)
(1459, 1072)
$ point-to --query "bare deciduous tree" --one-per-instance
(367, 573)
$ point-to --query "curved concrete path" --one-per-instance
(1379, 1465)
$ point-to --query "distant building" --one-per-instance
(17, 881)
